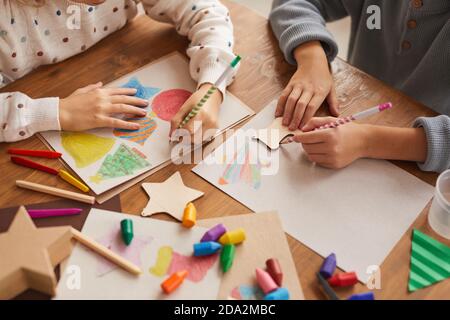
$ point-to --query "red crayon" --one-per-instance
(35, 153)
(33, 165)
(274, 269)
(343, 279)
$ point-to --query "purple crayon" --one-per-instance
(214, 233)
(328, 266)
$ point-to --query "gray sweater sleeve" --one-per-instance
(437, 130)
(295, 22)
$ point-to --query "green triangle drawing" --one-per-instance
(430, 261)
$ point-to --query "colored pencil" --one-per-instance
(326, 287)
(45, 213)
(105, 252)
(35, 153)
(210, 92)
(55, 191)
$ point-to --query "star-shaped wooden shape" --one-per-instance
(170, 196)
(28, 256)
(273, 135)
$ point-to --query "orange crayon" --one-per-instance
(174, 281)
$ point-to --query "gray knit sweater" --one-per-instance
(411, 51)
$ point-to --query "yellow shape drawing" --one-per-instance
(162, 262)
(85, 148)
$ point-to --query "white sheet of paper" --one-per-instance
(170, 72)
(359, 212)
(119, 284)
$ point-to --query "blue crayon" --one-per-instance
(279, 294)
(362, 296)
(328, 266)
(206, 248)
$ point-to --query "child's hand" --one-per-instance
(208, 114)
(335, 147)
(94, 107)
(308, 87)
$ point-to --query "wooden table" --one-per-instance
(262, 77)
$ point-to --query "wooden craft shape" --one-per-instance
(28, 256)
(275, 134)
(170, 196)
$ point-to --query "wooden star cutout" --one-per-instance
(28, 256)
(170, 197)
(273, 135)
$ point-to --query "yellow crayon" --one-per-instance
(233, 237)
(73, 181)
(189, 215)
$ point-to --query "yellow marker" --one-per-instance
(189, 216)
(73, 181)
(233, 237)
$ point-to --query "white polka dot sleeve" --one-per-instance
(21, 116)
(208, 26)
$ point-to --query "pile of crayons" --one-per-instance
(271, 280)
(328, 279)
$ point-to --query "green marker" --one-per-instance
(227, 257)
(126, 226)
(208, 94)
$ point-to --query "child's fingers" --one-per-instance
(312, 108)
(300, 109)
(290, 105)
(126, 109)
(88, 88)
(317, 122)
(122, 99)
(121, 91)
(333, 102)
(318, 136)
(282, 101)
(117, 123)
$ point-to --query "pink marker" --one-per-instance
(357, 116)
(265, 281)
(45, 213)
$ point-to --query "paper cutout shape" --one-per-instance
(142, 92)
(169, 262)
(273, 135)
(113, 241)
(85, 148)
(125, 161)
(245, 292)
(170, 196)
(168, 103)
(430, 261)
(29, 256)
(243, 169)
(140, 136)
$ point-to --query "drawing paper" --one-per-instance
(159, 248)
(106, 158)
(359, 212)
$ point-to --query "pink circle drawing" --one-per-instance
(167, 103)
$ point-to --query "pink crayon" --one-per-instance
(45, 213)
(214, 233)
(265, 281)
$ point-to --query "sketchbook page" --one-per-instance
(106, 158)
(159, 248)
(359, 212)
(265, 239)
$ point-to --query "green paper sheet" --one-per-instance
(430, 261)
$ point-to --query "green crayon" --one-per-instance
(126, 226)
(227, 257)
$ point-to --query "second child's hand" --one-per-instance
(308, 88)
